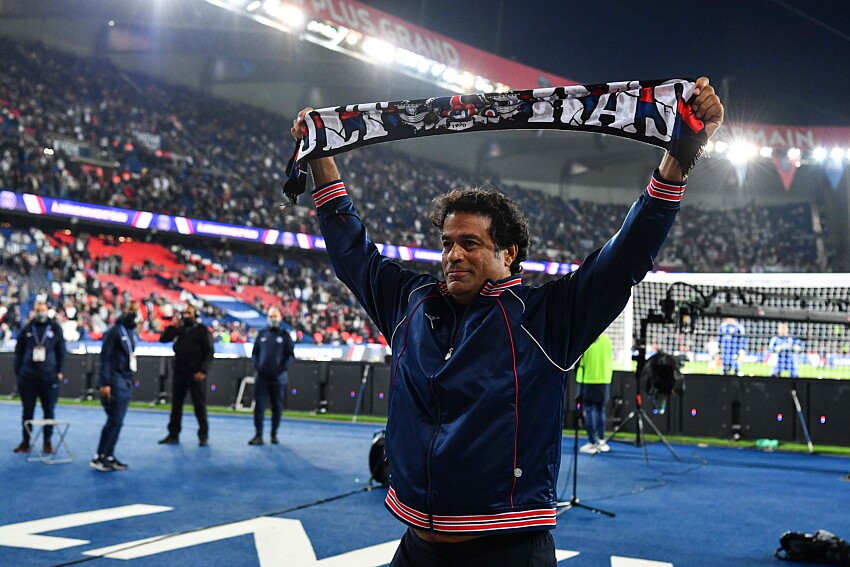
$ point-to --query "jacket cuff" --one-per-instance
(660, 188)
(328, 192)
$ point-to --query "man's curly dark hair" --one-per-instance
(508, 224)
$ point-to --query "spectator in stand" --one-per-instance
(39, 358)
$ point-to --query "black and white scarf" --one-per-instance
(654, 112)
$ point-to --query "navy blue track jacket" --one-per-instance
(33, 334)
(273, 353)
(476, 396)
(114, 368)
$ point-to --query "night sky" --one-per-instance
(780, 61)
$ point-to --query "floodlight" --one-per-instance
(794, 154)
(253, 5)
(740, 152)
(287, 13)
(819, 154)
(720, 147)
(378, 49)
(709, 147)
(837, 154)
(766, 152)
(481, 85)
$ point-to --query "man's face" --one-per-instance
(41, 310)
(470, 257)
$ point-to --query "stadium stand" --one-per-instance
(80, 129)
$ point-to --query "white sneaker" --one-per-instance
(603, 446)
(588, 448)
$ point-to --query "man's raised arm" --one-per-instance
(708, 108)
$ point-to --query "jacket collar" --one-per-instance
(491, 288)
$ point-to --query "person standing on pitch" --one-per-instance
(593, 377)
(273, 354)
(786, 348)
(733, 345)
(479, 360)
(39, 358)
(193, 353)
(115, 383)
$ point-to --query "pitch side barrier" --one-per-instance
(711, 405)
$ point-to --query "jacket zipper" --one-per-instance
(439, 414)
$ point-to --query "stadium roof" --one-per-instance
(199, 44)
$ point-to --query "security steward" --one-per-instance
(272, 356)
(39, 358)
(193, 353)
(115, 383)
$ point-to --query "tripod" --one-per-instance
(574, 502)
(639, 413)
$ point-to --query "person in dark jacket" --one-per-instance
(479, 360)
(39, 359)
(193, 353)
(115, 383)
(272, 355)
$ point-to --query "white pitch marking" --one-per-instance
(25, 534)
(632, 562)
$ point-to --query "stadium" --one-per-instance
(144, 150)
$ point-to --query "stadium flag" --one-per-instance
(654, 112)
(741, 173)
(786, 168)
(834, 171)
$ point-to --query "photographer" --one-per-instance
(193, 352)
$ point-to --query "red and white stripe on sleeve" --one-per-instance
(661, 189)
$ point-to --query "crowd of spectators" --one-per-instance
(82, 129)
(85, 300)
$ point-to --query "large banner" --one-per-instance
(399, 33)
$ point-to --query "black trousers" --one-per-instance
(116, 409)
(266, 391)
(32, 390)
(525, 549)
(198, 390)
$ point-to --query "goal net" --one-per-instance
(742, 324)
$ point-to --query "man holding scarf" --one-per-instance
(115, 383)
(479, 360)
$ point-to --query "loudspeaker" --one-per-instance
(78, 372)
(627, 404)
(380, 390)
(305, 378)
(828, 417)
(705, 408)
(223, 381)
(8, 380)
(344, 380)
(146, 380)
(768, 409)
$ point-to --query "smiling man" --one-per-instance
(479, 359)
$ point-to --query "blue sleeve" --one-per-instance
(255, 353)
(20, 349)
(381, 286)
(289, 355)
(104, 375)
(581, 305)
(60, 348)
